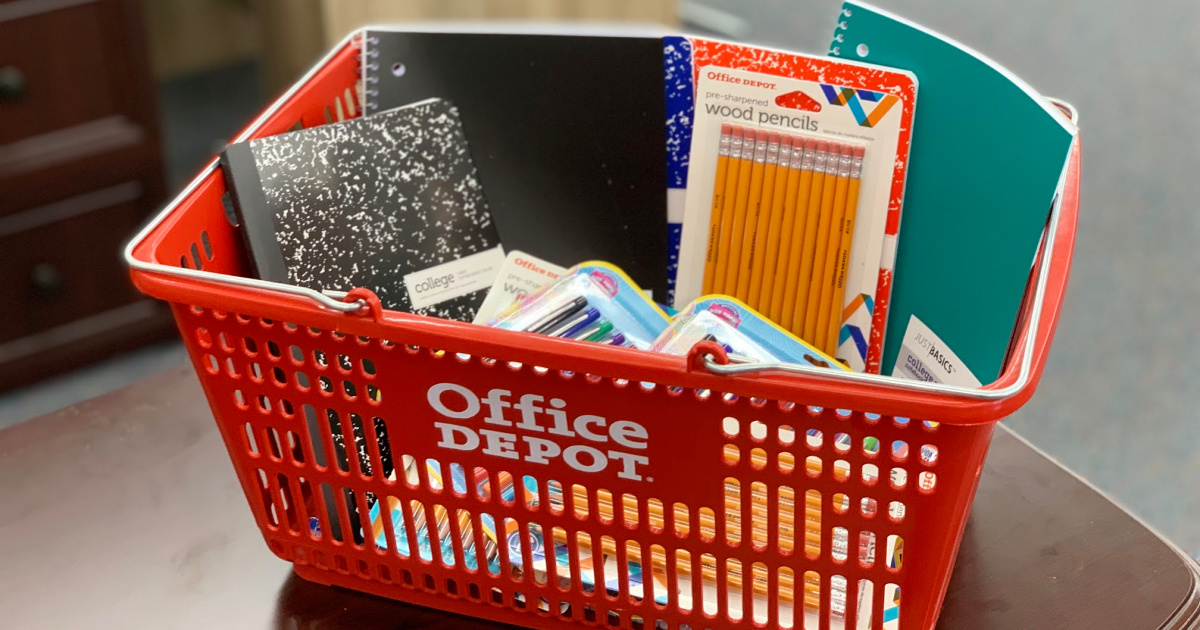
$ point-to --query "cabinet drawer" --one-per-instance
(62, 261)
(57, 67)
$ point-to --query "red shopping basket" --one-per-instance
(545, 482)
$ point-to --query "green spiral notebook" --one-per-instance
(987, 156)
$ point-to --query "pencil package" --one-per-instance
(593, 301)
(796, 177)
(744, 333)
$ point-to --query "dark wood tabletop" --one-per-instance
(124, 511)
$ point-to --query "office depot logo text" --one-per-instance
(537, 431)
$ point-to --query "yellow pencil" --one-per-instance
(718, 204)
(836, 228)
(738, 221)
(777, 278)
(753, 208)
(728, 201)
(824, 227)
(767, 232)
(812, 214)
(837, 317)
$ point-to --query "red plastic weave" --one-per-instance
(668, 461)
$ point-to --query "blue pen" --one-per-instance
(575, 323)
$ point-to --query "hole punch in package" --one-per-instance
(593, 301)
(744, 333)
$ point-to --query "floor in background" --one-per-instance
(96, 379)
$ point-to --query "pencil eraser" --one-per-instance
(737, 132)
(860, 151)
(785, 141)
(822, 145)
(847, 150)
(726, 129)
(811, 144)
(774, 137)
(835, 148)
(762, 136)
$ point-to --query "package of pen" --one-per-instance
(744, 333)
(593, 301)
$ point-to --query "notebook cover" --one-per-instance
(677, 57)
(987, 156)
(567, 133)
(365, 203)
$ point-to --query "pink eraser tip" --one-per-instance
(811, 144)
(774, 137)
(726, 129)
(834, 147)
(822, 145)
(762, 136)
(737, 132)
(785, 140)
(860, 151)
(847, 150)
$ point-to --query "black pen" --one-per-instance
(556, 316)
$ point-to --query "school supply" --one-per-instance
(677, 80)
(744, 333)
(355, 204)
(567, 132)
(521, 275)
(802, 98)
(988, 155)
(838, 287)
(580, 303)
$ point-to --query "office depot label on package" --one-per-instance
(805, 97)
(520, 275)
(925, 357)
(455, 278)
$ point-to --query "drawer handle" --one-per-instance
(47, 281)
(12, 84)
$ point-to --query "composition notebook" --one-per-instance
(391, 203)
(987, 156)
(567, 132)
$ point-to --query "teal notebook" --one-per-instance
(987, 156)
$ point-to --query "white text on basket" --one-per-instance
(539, 431)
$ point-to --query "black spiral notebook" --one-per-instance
(391, 203)
(568, 134)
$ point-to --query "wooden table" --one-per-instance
(124, 511)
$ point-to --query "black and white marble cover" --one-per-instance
(363, 202)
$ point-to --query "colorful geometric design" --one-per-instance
(853, 99)
(852, 328)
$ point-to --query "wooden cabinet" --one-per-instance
(80, 170)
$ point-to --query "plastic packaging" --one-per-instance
(593, 301)
(745, 334)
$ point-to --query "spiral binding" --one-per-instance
(369, 72)
(840, 37)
